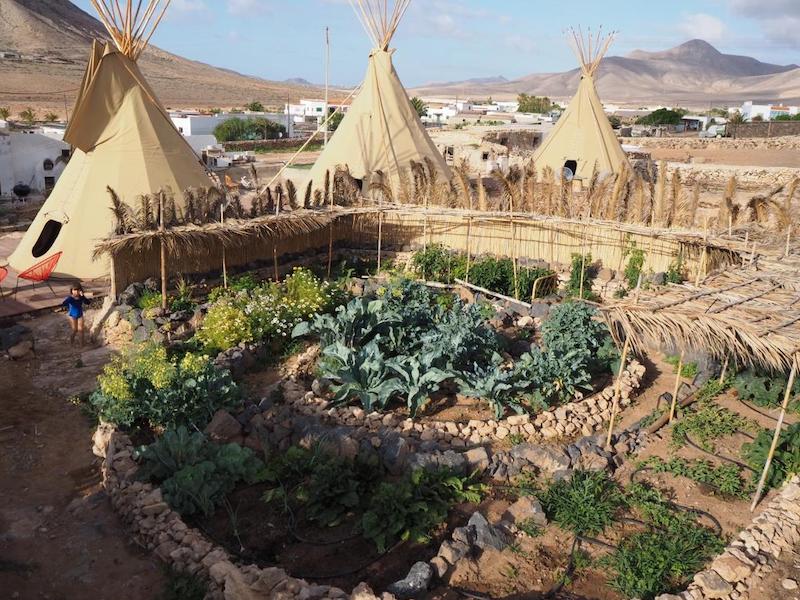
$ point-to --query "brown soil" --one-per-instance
(59, 536)
(771, 586)
(337, 556)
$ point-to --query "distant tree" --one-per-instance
(255, 106)
(215, 111)
(534, 104)
(757, 119)
(615, 121)
(662, 116)
(237, 130)
(335, 121)
(28, 116)
(787, 117)
(419, 106)
(51, 117)
(737, 118)
(5, 112)
(718, 112)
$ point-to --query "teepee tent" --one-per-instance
(122, 138)
(381, 132)
(583, 138)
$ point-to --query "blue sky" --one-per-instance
(449, 40)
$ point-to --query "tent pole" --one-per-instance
(617, 387)
(776, 437)
(163, 252)
(224, 265)
(675, 389)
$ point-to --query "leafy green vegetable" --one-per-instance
(765, 390)
(786, 460)
(586, 504)
(726, 478)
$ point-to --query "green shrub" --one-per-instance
(584, 505)
(195, 475)
(675, 272)
(664, 558)
(183, 586)
(224, 326)
(589, 273)
(726, 478)
(144, 385)
(148, 300)
(765, 390)
(786, 460)
(572, 327)
(633, 268)
(688, 370)
(437, 263)
(411, 508)
(706, 423)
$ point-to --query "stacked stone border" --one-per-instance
(753, 554)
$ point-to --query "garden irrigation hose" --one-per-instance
(761, 412)
(733, 461)
(697, 511)
(361, 568)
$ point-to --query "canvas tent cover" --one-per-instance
(124, 139)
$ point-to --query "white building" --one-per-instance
(766, 112)
(311, 110)
(195, 123)
(30, 159)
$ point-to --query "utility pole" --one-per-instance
(327, 82)
(288, 117)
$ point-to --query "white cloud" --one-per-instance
(520, 43)
(780, 19)
(703, 26)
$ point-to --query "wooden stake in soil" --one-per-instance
(275, 260)
(469, 246)
(380, 239)
(675, 389)
(724, 368)
(163, 252)
(776, 437)
(224, 265)
(617, 387)
(330, 241)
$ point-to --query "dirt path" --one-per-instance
(59, 536)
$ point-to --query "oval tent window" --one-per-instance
(47, 238)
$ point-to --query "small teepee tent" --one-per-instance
(123, 139)
(381, 131)
(583, 137)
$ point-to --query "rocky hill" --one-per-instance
(52, 39)
(694, 72)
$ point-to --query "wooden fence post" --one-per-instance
(617, 387)
(776, 437)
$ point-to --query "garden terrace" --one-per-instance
(750, 317)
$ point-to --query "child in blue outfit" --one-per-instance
(75, 303)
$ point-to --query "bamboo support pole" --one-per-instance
(469, 246)
(224, 265)
(330, 242)
(676, 388)
(513, 250)
(275, 260)
(617, 387)
(724, 368)
(380, 239)
(776, 437)
(163, 249)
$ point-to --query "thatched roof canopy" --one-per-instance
(751, 316)
(232, 233)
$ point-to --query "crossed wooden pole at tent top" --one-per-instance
(131, 28)
(378, 20)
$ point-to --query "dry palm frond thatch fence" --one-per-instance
(751, 317)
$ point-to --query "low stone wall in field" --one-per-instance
(752, 179)
(790, 142)
(754, 552)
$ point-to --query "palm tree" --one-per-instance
(5, 112)
(737, 118)
(28, 116)
(419, 106)
(51, 117)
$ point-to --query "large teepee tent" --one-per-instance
(123, 139)
(381, 132)
(583, 138)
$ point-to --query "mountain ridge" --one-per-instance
(694, 71)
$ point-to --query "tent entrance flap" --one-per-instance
(570, 168)
(46, 238)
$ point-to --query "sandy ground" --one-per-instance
(59, 536)
(767, 157)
